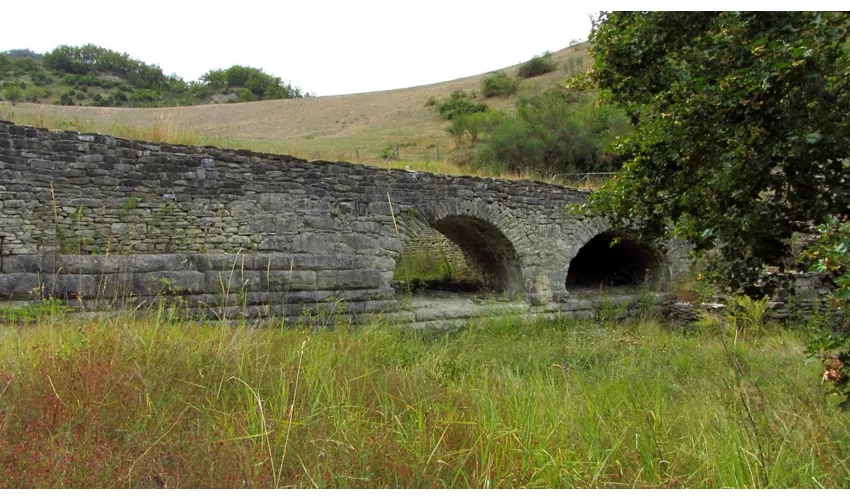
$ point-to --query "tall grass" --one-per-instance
(145, 402)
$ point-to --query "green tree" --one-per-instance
(13, 94)
(740, 128)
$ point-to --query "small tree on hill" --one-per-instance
(13, 94)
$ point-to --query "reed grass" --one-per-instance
(141, 401)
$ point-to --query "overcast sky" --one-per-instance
(322, 46)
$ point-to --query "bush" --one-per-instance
(458, 104)
(32, 94)
(555, 132)
(40, 78)
(245, 95)
(66, 98)
(457, 129)
(499, 84)
(537, 65)
(473, 125)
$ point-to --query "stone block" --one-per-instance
(346, 280)
(18, 285)
(21, 264)
(169, 283)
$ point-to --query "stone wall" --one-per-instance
(99, 220)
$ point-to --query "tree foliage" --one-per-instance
(136, 83)
(261, 85)
(830, 255)
(740, 128)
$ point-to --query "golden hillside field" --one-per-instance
(344, 127)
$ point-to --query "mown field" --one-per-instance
(147, 402)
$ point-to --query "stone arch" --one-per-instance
(481, 232)
(614, 258)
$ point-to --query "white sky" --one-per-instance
(322, 46)
(326, 47)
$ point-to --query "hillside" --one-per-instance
(344, 127)
(89, 75)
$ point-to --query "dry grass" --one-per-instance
(352, 127)
(163, 129)
(143, 402)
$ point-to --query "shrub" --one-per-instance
(66, 98)
(458, 104)
(499, 84)
(245, 95)
(40, 78)
(537, 65)
(13, 94)
(32, 94)
(457, 128)
(387, 152)
(556, 131)
(473, 125)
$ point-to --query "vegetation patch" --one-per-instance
(499, 84)
(555, 132)
(458, 103)
(94, 76)
(159, 403)
(537, 65)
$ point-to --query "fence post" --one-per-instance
(438, 152)
(397, 155)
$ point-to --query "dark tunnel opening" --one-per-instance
(610, 260)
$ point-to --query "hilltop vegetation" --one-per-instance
(362, 128)
(94, 76)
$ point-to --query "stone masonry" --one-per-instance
(102, 222)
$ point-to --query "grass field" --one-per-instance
(143, 402)
(355, 128)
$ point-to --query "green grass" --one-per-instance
(141, 402)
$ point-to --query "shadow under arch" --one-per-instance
(486, 249)
(478, 254)
(616, 259)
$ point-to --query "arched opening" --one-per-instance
(612, 259)
(460, 254)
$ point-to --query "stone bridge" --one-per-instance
(104, 222)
